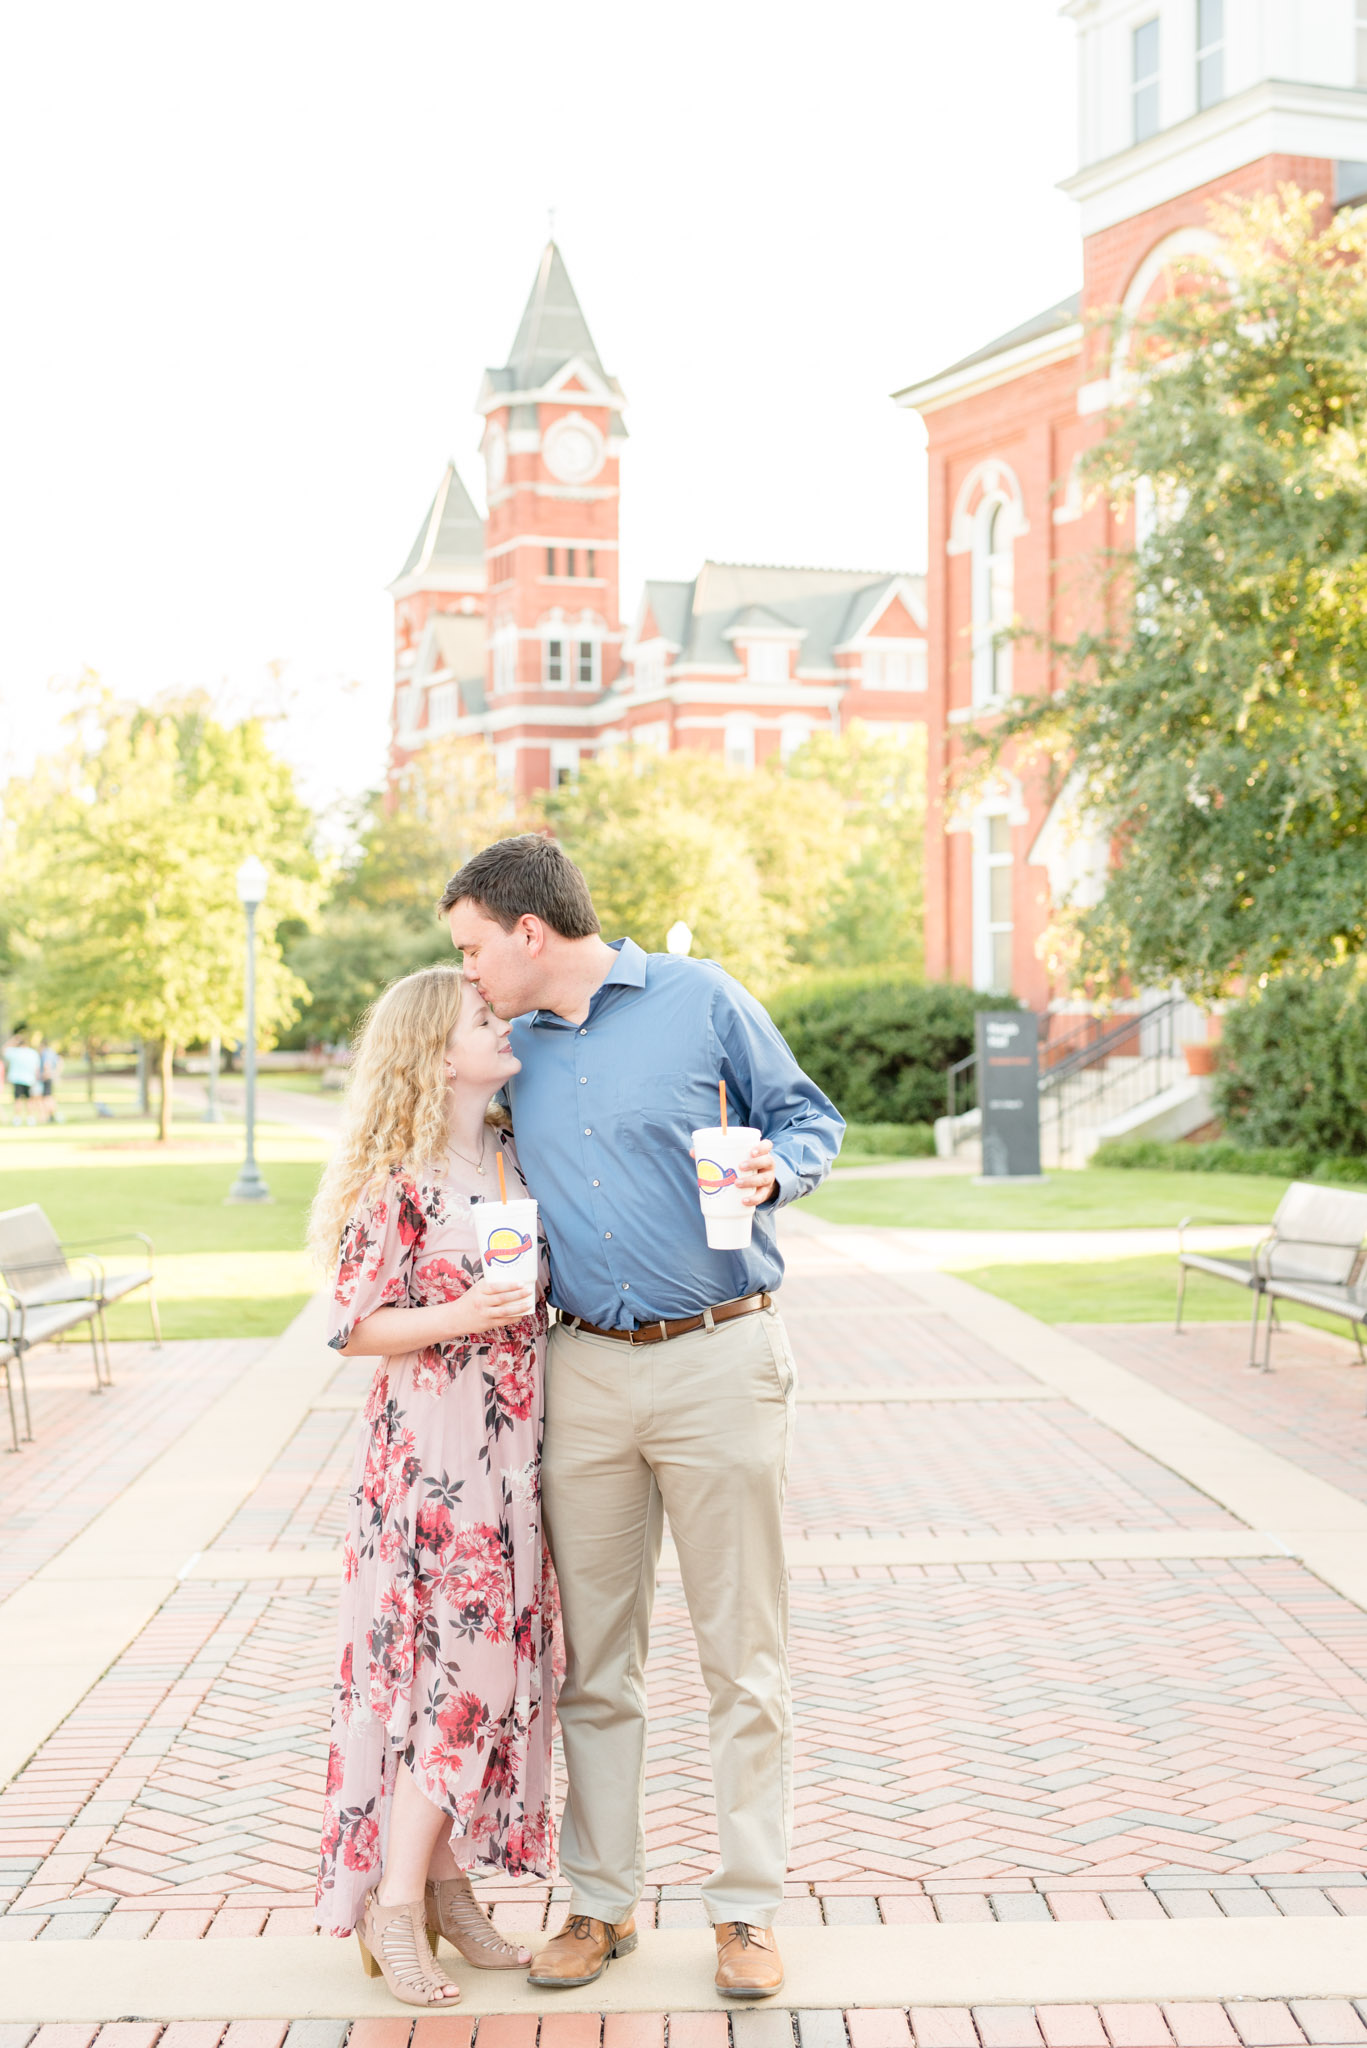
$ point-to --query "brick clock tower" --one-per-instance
(508, 630)
(553, 436)
(1181, 102)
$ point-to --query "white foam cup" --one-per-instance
(717, 1154)
(507, 1240)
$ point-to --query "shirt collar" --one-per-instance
(628, 970)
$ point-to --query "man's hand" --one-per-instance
(758, 1176)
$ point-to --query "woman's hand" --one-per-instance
(491, 1304)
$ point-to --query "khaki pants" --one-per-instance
(698, 1428)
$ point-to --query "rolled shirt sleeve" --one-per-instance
(768, 1086)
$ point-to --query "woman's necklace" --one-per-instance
(478, 1164)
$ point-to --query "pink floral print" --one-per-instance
(447, 1635)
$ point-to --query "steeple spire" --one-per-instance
(553, 327)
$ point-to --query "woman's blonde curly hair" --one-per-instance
(396, 1099)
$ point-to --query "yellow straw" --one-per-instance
(721, 1090)
(502, 1183)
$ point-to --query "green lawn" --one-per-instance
(1127, 1291)
(1096, 1198)
(223, 1270)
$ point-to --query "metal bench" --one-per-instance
(50, 1287)
(1314, 1247)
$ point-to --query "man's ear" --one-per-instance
(533, 935)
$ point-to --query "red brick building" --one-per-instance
(510, 631)
(1180, 102)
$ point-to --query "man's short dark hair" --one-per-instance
(525, 877)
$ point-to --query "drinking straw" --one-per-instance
(721, 1090)
(502, 1183)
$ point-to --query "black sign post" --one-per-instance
(1008, 1093)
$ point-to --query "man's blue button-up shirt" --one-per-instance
(604, 1113)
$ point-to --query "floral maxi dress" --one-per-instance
(449, 1610)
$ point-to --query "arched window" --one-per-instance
(994, 599)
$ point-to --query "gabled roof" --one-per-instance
(553, 328)
(823, 608)
(452, 533)
(1054, 320)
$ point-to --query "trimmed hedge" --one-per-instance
(889, 1141)
(1222, 1155)
(1293, 1065)
(879, 1043)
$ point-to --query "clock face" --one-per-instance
(574, 451)
(496, 457)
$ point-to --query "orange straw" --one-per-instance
(502, 1183)
(721, 1090)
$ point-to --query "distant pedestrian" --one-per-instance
(49, 1072)
(21, 1071)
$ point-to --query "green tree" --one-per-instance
(380, 920)
(1218, 732)
(812, 862)
(119, 883)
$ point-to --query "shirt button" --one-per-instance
(607, 1233)
(596, 1183)
(582, 1079)
(626, 1287)
(583, 1030)
(588, 1133)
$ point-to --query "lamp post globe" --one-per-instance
(251, 894)
(678, 938)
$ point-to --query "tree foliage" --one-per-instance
(380, 921)
(1218, 732)
(119, 885)
(812, 862)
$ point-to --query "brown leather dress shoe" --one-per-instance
(580, 1952)
(748, 1962)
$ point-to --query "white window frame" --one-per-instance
(648, 666)
(1146, 83)
(987, 930)
(554, 661)
(505, 763)
(793, 733)
(443, 707)
(564, 762)
(766, 661)
(993, 596)
(738, 743)
(504, 662)
(1210, 54)
(1360, 41)
(895, 665)
(580, 643)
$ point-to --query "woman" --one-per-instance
(441, 1724)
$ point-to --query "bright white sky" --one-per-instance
(259, 254)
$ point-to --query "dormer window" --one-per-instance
(894, 668)
(1144, 78)
(766, 661)
(1210, 52)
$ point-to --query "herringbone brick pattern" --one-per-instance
(1078, 1741)
(951, 1468)
(87, 1447)
(1309, 1408)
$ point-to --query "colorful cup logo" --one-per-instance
(713, 1178)
(505, 1245)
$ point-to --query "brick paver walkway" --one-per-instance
(1093, 1740)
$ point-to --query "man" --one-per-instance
(669, 1383)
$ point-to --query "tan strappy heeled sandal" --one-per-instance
(453, 1910)
(394, 1944)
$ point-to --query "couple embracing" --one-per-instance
(493, 1442)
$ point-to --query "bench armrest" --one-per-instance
(90, 1244)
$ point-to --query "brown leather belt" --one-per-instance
(660, 1333)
